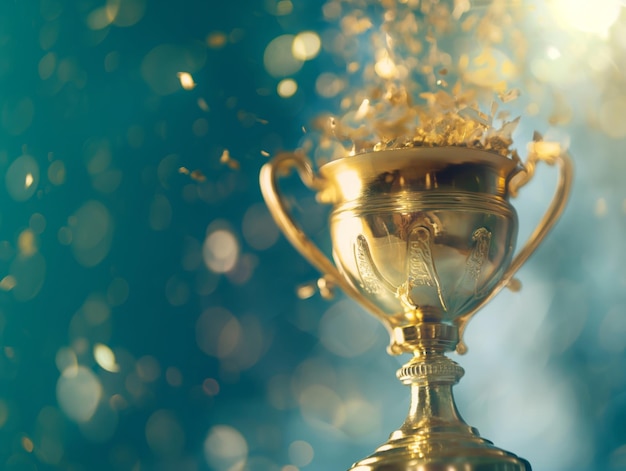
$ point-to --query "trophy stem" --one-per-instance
(434, 437)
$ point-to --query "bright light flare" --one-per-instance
(385, 67)
(589, 17)
(306, 45)
(287, 88)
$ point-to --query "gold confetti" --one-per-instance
(306, 290)
(186, 80)
(202, 104)
(8, 283)
(226, 159)
(196, 175)
(388, 112)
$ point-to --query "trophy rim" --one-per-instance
(416, 169)
(434, 157)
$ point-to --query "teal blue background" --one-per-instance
(558, 357)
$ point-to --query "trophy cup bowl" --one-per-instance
(422, 238)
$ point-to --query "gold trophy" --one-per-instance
(422, 238)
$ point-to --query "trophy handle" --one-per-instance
(282, 164)
(550, 217)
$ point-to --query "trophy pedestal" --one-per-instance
(434, 437)
(441, 452)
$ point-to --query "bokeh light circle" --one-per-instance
(225, 449)
(278, 58)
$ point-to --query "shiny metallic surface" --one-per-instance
(422, 238)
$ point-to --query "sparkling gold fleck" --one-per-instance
(186, 80)
(226, 159)
(197, 175)
(8, 283)
(105, 357)
(202, 104)
(27, 444)
(305, 291)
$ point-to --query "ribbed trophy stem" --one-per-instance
(434, 437)
(431, 376)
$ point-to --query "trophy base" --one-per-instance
(434, 437)
(444, 453)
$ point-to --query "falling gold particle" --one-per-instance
(196, 175)
(226, 159)
(305, 291)
(387, 112)
(363, 109)
(186, 80)
(545, 149)
(105, 357)
(202, 104)
(265, 153)
(514, 285)
(262, 121)
(27, 444)
(8, 283)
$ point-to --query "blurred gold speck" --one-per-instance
(216, 40)
(196, 175)
(8, 283)
(27, 444)
(202, 104)
(305, 291)
(226, 159)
